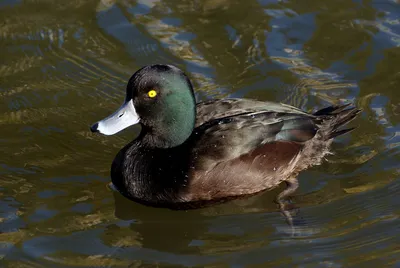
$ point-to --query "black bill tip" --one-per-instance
(94, 127)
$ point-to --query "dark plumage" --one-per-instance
(189, 155)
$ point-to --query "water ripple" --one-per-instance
(65, 65)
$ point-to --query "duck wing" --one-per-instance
(220, 108)
(247, 153)
(241, 147)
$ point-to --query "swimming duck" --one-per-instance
(189, 155)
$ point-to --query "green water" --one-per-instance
(64, 65)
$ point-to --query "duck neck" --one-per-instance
(175, 126)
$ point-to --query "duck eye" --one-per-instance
(152, 93)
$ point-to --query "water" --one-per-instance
(64, 65)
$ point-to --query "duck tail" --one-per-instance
(333, 117)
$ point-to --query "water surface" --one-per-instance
(64, 65)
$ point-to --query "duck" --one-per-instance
(190, 155)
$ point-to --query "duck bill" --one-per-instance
(124, 117)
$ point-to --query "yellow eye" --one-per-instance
(152, 93)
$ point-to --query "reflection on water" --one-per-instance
(65, 64)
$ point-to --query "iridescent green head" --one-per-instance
(161, 99)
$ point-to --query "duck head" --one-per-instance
(161, 99)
